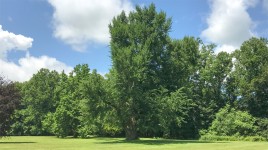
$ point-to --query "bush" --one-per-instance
(210, 137)
(231, 122)
(263, 127)
(233, 125)
(87, 131)
(254, 138)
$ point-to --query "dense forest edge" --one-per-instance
(157, 87)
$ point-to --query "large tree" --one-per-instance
(139, 44)
(251, 74)
(9, 101)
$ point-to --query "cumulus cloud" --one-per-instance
(27, 65)
(10, 41)
(83, 22)
(229, 23)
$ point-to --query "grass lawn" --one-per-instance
(53, 143)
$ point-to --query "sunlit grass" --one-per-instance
(53, 143)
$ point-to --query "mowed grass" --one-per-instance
(53, 143)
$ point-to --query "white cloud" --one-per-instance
(83, 22)
(225, 48)
(27, 65)
(229, 23)
(10, 41)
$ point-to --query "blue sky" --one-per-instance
(59, 34)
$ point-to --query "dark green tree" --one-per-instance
(209, 84)
(9, 102)
(175, 110)
(181, 63)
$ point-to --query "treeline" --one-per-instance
(157, 87)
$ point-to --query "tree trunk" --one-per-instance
(131, 129)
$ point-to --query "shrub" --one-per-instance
(263, 127)
(231, 122)
(234, 125)
(254, 138)
(210, 137)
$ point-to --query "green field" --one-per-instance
(51, 143)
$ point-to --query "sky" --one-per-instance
(60, 34)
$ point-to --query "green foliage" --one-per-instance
(230, 122)
(62, 119)
(207, 85)
(252, 76)
(174, 112)
(255, 138)
(182, 61)
(211, 137)
(262, 124)
(49, 123)
(98, 115)
(38, 99)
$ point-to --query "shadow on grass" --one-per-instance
(17, 142)
(156, 141)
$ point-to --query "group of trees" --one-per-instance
(157, 87)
